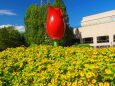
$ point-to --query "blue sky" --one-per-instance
(13, 11)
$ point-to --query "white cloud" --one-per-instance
(7, 12)
(2, 26)
(19, 28)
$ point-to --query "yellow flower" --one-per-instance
(106, 84)
(107, 71)
(68, 75)
(56, 80)
(49, 67)
(94, 66)
(64, 76)
(100, 84)
(76, 66)
(52, 81)
(69, 83)
(89, 75)
(41, 84)
(74, 62)
(49, 84)
(86, 65)
(17, 84)
(63, 83)
(95, 52)
(81, 74)
(57, 75)
(90, 85)
(80, 81)
(93, 81)
(74, 84)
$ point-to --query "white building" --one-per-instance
(98, 30)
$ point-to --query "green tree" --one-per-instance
(31, 23)
(35, 21)
(9, 37)
(68, 36)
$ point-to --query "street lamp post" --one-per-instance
(41, 2)
(48, 1)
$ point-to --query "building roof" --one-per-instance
(98, 16)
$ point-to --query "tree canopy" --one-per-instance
(35, 20)
(9, 37)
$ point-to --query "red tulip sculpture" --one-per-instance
(55, 25)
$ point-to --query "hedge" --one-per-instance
(57, 66)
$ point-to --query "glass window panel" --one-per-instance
(102, 39)
(88, 40)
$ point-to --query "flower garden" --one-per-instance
(57, 66)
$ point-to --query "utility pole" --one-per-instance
(41, 2)
(48, 1)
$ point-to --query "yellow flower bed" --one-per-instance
(57, 66)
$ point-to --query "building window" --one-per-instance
(102, 39)
(114, 38)
(113, 18)
(88, 40)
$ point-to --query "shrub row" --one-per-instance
(57, 66)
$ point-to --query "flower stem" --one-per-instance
(55, 43)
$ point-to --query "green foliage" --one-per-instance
(9, 37)
(57, 66)
(35, 19)
(82, 45)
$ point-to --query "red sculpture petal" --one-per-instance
(55, 25)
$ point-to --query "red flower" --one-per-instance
(55, 25)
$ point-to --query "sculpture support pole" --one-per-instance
(55, 24)
(55, 43)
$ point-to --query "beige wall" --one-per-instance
(98, 16)
(107, 27)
